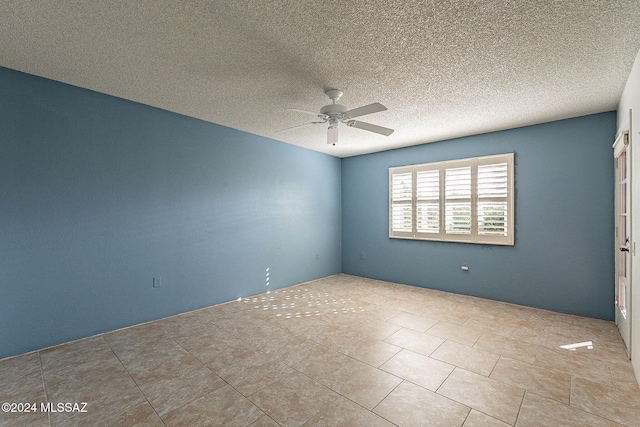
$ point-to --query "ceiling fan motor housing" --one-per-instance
(334, 114)
(333, 110)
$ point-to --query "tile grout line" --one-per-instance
(524, 396)
(134, 381)
(500, 356)
(44, 387)
(571, 386)
(442, 383)
(388, 394)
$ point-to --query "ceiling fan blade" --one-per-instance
(371, 128)
(298, 127)
(332, 135)
(308, 112)
(376, 107)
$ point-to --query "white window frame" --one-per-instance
(442, 235)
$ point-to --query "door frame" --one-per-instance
(624, 246)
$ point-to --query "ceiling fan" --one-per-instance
(334, 114)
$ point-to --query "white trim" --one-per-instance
(621, 143)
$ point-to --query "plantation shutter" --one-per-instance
(428, 201)
(492, 200)
(401, 206)
(458, 200)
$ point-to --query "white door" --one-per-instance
(623, 229)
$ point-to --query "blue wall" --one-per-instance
(99, 195)
(563, 257)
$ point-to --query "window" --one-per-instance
(467, 200)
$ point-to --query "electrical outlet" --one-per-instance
(156, 282)
(361, 255)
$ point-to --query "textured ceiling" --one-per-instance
(442, 68)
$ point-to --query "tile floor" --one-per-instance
(339, 351)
